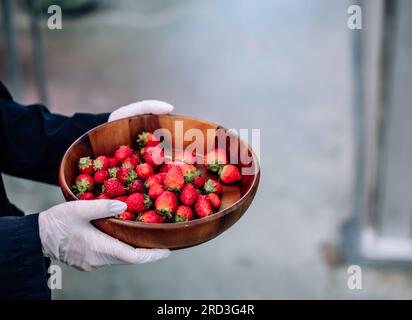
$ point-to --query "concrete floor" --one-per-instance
(283, 67)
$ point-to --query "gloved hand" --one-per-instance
(141, 107)
(68, 236)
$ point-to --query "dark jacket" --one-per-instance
(32, 143)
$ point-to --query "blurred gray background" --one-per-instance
(284, 67)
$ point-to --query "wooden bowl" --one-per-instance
(104, 139)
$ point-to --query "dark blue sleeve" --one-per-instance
(33, 140)
(23, 272)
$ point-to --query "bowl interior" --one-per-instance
(105, 139)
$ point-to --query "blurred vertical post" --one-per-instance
(382, 224)
(37, 48)
(12, 61)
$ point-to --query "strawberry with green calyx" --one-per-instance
(214, 200)
(144, 171)
(199, 182)
(174, 179)
(166, 204)
(215, 159)
(203, 206)
(147, 139)
(101, 176)
(83, 183)
(189, 194)
(190, 172)
(122, 153)
(85, 165)
(136, 186)
(101, 163)
(138, 202)
(127, 216)
(112, 172)
(183, 214)
(154, 156)
(86, 196)
(155, 190)
(130, 162)
(126, 175)
(212, 186)
(112, 188)
(229, 174)
(150, 216)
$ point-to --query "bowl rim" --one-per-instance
(175, 225)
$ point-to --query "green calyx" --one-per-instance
(112, 172)
(210, 187)
(147, 201)
(142, 139)
(131, 176)
(164, 212)
(97, 165)
(81, 186)
(189, 176)
(85, 162)
(180, 219)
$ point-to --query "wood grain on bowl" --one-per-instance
(104, 139)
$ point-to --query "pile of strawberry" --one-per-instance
(155, 190)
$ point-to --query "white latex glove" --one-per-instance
(68, 236)
(141, 107)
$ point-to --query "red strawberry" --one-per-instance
(121, 198)
(83, 183)
(214, 200)
(147, 139)
(155, 191)
(138, 202)
(229, 174)
(166, 204)
(113, 162)
(167, 166)
(101, 163)
(101, 176)
(203, 207)
(129, 162)
(86, 196)
(199, 182)
(113, 188)
(150, 216)
(102, 197)
(126, 175)
(85, 165)
(215, 159)
(153, 179)
(112, 172)
(174, 179)
(122, 153)
(136, 186)
(189, 194)
(154, 156)
(127, 215)
(144, 171)
(212, 186)
(183, 214)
